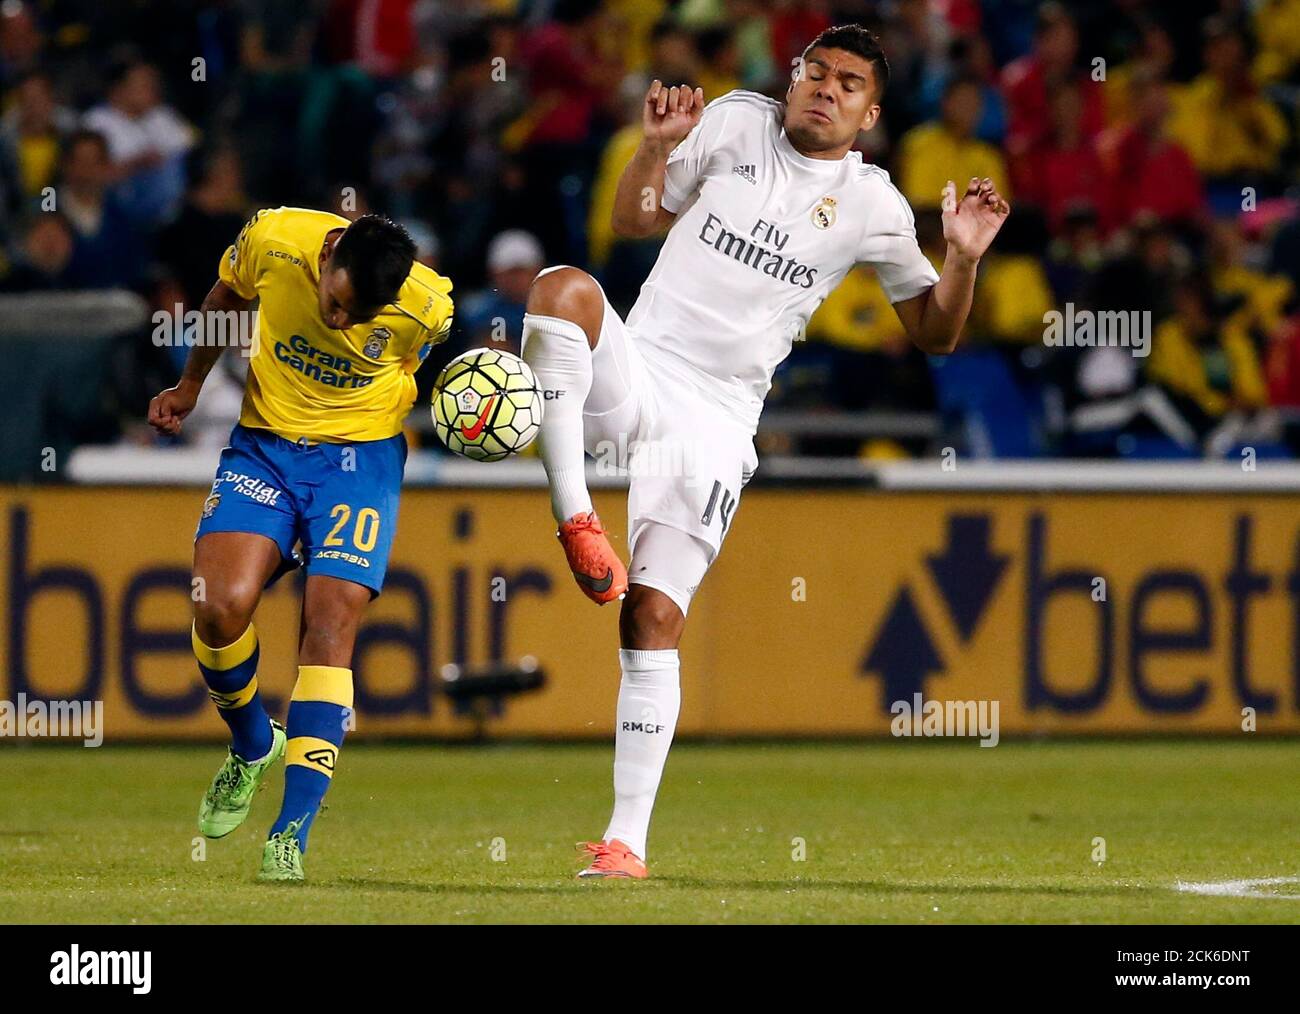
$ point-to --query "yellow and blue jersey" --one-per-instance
(307, 380)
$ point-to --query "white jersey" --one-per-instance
(762, 235)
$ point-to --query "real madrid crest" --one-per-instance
(376, 343)
(823, 213)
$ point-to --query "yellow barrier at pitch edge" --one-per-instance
(1078, 613)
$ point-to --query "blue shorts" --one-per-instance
(338, 500)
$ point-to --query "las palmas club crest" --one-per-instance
(376, 343)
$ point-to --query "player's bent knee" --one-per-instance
(569, 294)
(650, 620)
(223, 614)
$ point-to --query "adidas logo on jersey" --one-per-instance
(745, 172)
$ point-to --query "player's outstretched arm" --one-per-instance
(168, 410)
(935, 318)
(667, 117)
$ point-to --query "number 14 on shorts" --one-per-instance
(721, 500)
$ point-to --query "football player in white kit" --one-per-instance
(769, 208)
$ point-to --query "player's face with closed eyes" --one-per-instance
(338, 301)
(832, 97)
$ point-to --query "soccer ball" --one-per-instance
(487, 405)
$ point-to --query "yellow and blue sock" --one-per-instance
(231, 676)
(318, 715)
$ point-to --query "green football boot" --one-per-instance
(282, 856)
(226, 803)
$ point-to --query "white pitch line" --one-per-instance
(1241, 888)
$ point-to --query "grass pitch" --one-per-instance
(891, 831)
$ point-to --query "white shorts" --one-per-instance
(687, 458)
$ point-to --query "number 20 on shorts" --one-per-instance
(365, 533)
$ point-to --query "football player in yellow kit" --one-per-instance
(346, 316)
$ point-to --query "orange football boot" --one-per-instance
(596, 567)
(613, 859)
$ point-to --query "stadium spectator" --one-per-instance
(1233, 132)
(1264, 298)
(44, 256)
(495, 315)
(1027, 84)
(1277, 28)
(574, 87)
(928, 153)
(1153, 61)
(1064, 172)
(673, 55)
(1146, 171)
(109, 251)
(147, 143)
(969, 56)
(719, 61)
(32, 132)
(21, 43)
(378, 36)
(215, 210)
(1283, 365)
(1203, 355)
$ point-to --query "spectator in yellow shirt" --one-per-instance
(933, 153)
(1223, 121)
(1205, 356)
(1277, 28)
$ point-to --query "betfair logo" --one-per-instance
(323, 757)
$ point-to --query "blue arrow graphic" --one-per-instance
(967, 574)
(902, 653)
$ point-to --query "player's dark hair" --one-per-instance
(378, 254)
(860, 40)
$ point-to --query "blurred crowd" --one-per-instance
(1149, 151)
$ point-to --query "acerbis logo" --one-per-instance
(645, 727)
(323, 757)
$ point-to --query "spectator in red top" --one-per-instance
(791, 25)
(1283, 365)
(571, 84)
(1148, 171)
(1029, 81)
(567, 77)
(1064, 173)
(376, 35)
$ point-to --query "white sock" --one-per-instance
(649, 699)
(558, 352)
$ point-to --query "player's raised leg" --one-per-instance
(667, 567)
(231, 569)
(562, 326)
(319, 713)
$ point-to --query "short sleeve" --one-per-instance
(238, 268)
(690, 159)
(891, 249)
